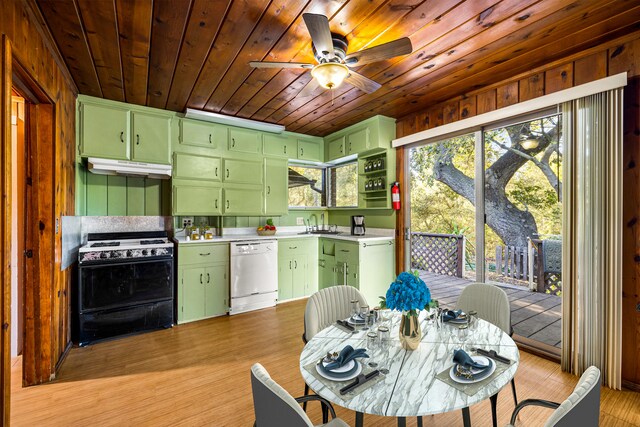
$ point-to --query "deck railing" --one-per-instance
(437, 253)
(525, 263)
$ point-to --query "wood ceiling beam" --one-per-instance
(205, 21)
(101, 29)
(169, 26)
(241, 21)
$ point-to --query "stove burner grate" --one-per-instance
(152, 242)
(104, 244)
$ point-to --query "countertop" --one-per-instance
(244, 234)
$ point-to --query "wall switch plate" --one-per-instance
(299, 221)
(187, 221)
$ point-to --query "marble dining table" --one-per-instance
(410, 388)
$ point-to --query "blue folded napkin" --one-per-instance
(463, 359)
(451, 315)
(346, 355)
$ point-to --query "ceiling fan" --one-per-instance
(334, 64)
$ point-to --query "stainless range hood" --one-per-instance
(128, 168)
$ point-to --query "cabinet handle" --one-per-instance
(293, 247)
(302, 151)
(227, 204)
(208, 278)
(201, 278)
(268, 189)
(137, 139)
(296, 264)
(207, 254)
(233, 142)
(122, 137)
(227, 173)
(209, 138)
(216, 203)
(289, 265)
(216, 172)
(349, 146)
(285, 149)
(344, 250)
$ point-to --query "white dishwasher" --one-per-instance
(254, 275)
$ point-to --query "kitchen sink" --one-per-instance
(322, 232)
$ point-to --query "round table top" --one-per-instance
(411, 387)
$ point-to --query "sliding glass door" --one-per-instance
(486, 206)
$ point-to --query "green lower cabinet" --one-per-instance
(297, 275)
(203, 281)
(327, 271)
(285, 278)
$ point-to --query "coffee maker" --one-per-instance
(357, 225)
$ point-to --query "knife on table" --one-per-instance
(359, 381)
(345, 325)
(493, 355)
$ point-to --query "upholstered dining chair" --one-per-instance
(324, 308)
(581, 408)
(274, 407)
(492, 305)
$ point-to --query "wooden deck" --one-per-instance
(533, 315)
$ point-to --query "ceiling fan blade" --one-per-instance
(318, 26)
(378, 53)
(309, 88)
(361, 82)
(260, 64)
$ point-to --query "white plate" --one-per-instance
(350, 377)
(478, 359)
(344, 368)
(353, 322)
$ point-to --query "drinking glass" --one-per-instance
(384, 338)
(364, 315)
(473, 320)
(372, 341)
(355, 308)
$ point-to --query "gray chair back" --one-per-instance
(273, 406)
(582, 407)
(328, 305)
(491, 303)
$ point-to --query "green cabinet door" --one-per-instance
(196, 200)
(336, 148)
(327, 273)
(151, 138)
(358, 141)
(285, 277)
(104, 132)
(299, 276)
(245, 141)
(276, 190)
(242, 171)
(193, 294)
(189, 166)
(279, 146)
(309, 150)
(216, 290)
(202, 134)
(242, 201)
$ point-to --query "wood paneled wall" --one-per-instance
(603, 61)
(48, 331)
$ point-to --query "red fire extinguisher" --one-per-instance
(395, 195)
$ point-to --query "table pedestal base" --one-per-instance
(402, 421)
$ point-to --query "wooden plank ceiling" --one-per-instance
(175, 54)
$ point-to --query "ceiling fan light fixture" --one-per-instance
(330, 75)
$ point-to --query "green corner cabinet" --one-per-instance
(368, 266)
(297, 268)
(370, 135)
(115, 130)
(203, 281)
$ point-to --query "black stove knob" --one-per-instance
(104, 255)
(129, 253)
(152, 252)
(144, 252)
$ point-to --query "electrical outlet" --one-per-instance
(187, 221)
(299, 221)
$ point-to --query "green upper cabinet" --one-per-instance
(151, 138)
(279, 145)
(189, 166)
(104, 131)
(336, 148)
(276, 194)
(245, 141)
(242, 171)
(202, 134)
(196, 200)
(115, 130)
(242, 201)
(358, 141)
(310, 150)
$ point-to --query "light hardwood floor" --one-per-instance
(198, 375)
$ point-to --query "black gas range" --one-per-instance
(125, 285)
